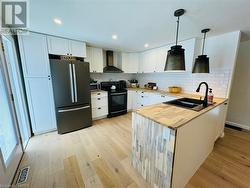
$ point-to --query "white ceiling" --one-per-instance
(137, 22)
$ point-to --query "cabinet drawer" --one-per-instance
(99, 102)
(99, 94)
(99, 112)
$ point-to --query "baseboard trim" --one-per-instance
(238, 125)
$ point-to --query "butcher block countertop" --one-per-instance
(173, 116)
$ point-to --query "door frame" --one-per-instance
(8, 171)
(15, 81)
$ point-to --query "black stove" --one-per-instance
(117, 97)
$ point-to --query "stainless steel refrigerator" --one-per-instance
(71, 87)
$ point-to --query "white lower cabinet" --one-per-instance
(221, 113)
(99, 102)
(138, 99)
(130, 100)
(41, 104)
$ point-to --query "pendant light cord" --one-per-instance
(203, 46)
(177, 30)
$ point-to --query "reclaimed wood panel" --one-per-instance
(152, 151)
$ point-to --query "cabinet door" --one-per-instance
(34, 55)
(147, 61)
(161, 56)
(58, 46)
(41, 104)
(125, 62)
(221, 114)
(89, 57)
(130, 62)
(133, 63)
(130, 100)
(189, 46)
(77, 49)
(97, 60)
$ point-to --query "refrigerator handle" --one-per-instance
(71, 83)
(75, 84)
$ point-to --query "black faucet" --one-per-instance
(198, 90)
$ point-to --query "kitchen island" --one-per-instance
(169, 143)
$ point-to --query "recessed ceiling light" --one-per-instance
(58, 21)
(146, 45)
(114, 37)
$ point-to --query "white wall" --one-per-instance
(239, 106)
(222, 51)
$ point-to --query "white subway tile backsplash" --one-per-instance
(217, 80)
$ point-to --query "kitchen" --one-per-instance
(90, 110)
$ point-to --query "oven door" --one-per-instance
(117, 103)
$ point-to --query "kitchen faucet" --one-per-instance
(198, 90)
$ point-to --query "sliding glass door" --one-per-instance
(10, 144)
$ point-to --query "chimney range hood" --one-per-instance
(110, 68)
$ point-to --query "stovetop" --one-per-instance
(106, 86)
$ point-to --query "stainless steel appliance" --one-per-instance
(111, 68)
(117, 98)
(71, 86)
(94, 86)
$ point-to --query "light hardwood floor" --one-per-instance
(99, 156)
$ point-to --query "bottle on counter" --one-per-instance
(210, 96)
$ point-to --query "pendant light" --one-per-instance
(201, 64)
(176, 57)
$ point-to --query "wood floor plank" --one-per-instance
(105, 173)
(99, 157)
(72, 173)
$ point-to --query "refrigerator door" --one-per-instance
(81, 77)
(73, 118)
(62, 80)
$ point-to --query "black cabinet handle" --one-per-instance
(99, 108)
(98, 98)
(98, 93)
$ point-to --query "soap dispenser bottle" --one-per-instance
(210, 96)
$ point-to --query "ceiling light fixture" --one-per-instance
(114, 37)
(176, 57)
(201, 64)
(146, 45)
(58, 21)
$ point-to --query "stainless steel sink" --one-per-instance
(192, 104)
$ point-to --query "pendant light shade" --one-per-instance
(201, 64)
(176, 57)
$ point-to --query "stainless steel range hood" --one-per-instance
(110, 68)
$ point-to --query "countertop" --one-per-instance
(173, 116)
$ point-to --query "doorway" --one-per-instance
(10, 144)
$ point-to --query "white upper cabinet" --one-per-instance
(77, 49)
(60, 46)
(130, 62)
(154, 60)
(34, 54)
(161, 56)
(148, 61)
(189, 46)
(95, 59)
